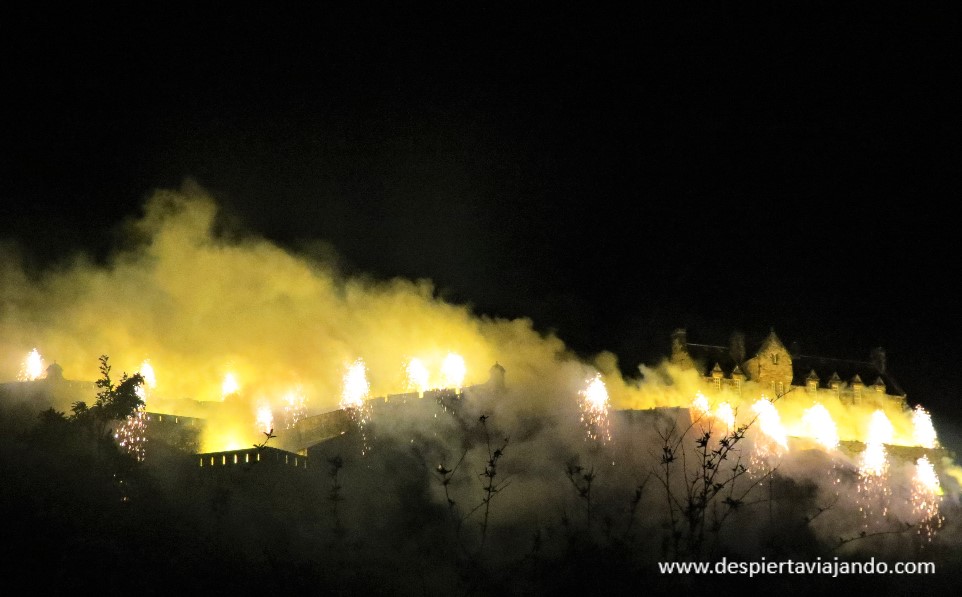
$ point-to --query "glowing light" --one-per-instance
(726, 414)
(150, 381)
(873, 488)
(594, 409)
(355, 391)
(700, 404)
(356, 386)
(417, 376)
(923, 431)
(926, 476)
(132, 434)
(880, 429)
(453, 370)
(265, 417)
(295, 407)
(926, 497)
(229, 386)
(819, 426)
(147, 372)
(32, 367)
(770, 423)
(874, 461)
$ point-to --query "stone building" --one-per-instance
(779, 370)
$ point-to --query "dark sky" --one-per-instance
(610, 175)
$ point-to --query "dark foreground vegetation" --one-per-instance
(462, 507)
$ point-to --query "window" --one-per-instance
(774, 356)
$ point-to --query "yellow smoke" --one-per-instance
(199, 306)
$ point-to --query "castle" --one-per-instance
(773, 367)
(781, 370)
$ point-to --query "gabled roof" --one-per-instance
(853, 370)
(804, 366)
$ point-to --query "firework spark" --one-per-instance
(772, 441)
(32, 367)
(417, 376)
(594, 409)
(356, 387)
(726, 414)
(770, 423)
(353, 396)
(873, 487)
(700, 405)
(229, 386)
(453, 370)
(926, 497)
(295, 407)
(922, 429)
(819, 426)
(132, 434)
(265, 417)
(150, 381)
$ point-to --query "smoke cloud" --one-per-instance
(199, 303)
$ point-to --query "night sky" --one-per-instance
(612, 176)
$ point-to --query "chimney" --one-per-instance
(878, 359)
(737, 347)
(496, 379)
(679, 341)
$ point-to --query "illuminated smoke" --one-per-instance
(923, 432)
(873, 461)
(700, 405)
(701, 410)
(453, 371)
(594, 409)
(295, 407)
(32, 368)
(772, 441)
(880, 430)
(147, 372)
(726, 414)
(819, 426)
(356, 387)
(150, 381)
(265, 417)
(182, 306)
(417, 376)
(229, 386)
(926, 498)
(873, 488)
(770, 424)
(353, 396)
